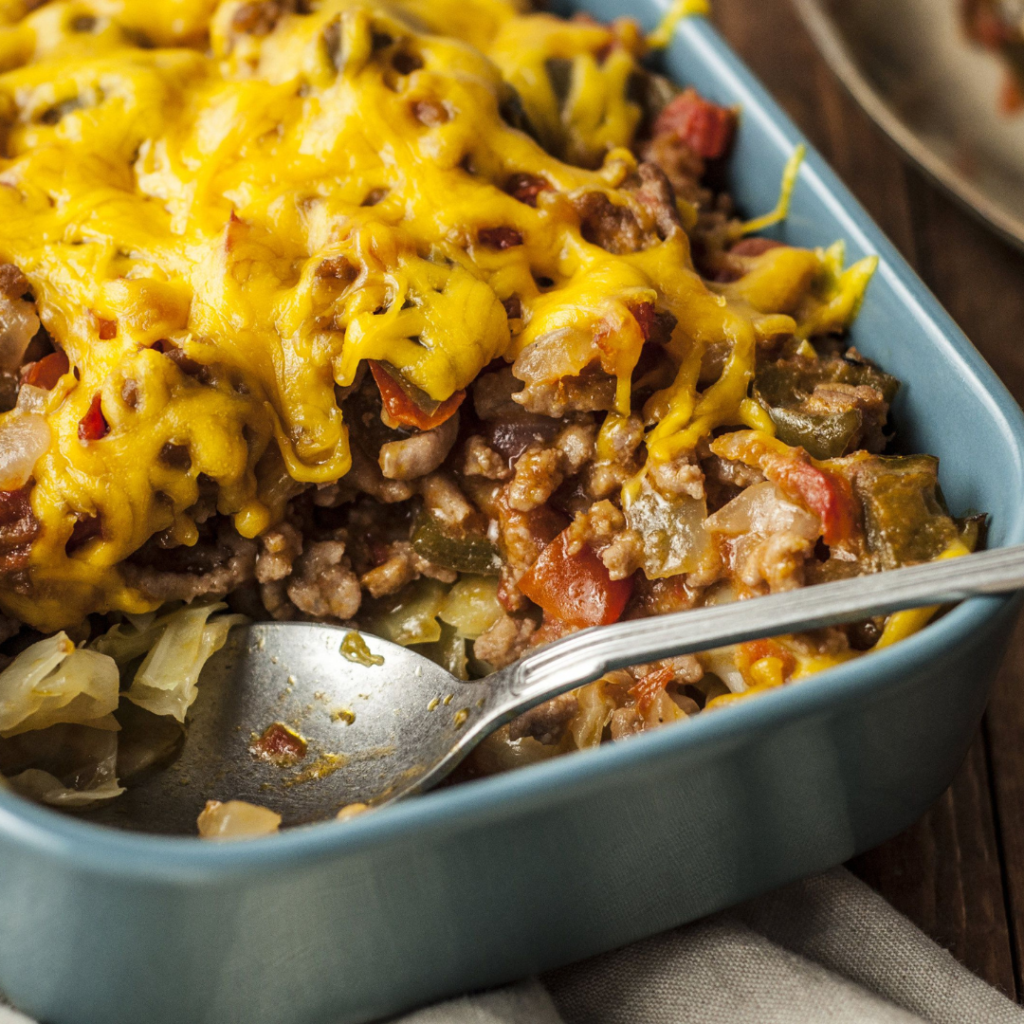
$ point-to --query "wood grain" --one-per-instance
(958, 873)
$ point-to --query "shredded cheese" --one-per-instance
(283, 203)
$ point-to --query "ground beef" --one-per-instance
(416, 456)
(547, 722)
(321, 586)
(680, 164)
(444, 500)
(724, 479)
(654, 192)
(219, 569)
(402, 565)
(366, 476)
(603, 528)
(538, 474)
(777, 560)
(279, 547)
(479, 459)
(612, 226)
(259, 17)
(492, 395)
(592, 390)
(680, 476)
(685, 668)
(504, 642)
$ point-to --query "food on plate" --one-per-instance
(428, 319)
(998, 25)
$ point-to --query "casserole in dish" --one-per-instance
(574, 856)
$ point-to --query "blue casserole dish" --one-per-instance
(480, 884)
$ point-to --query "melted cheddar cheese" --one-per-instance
(284, 203)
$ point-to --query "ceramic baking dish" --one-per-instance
(479, 884)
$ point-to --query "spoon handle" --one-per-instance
(589, 654)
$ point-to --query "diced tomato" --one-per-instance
(825, 494)
(47, 371)
(647, 688)
(704, 126)
(402, 408)
(499, 238)
(575, 588)
(279, 745)
(92, 426)
(526, 188)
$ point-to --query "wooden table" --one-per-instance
(958, 873)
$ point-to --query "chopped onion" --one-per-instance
(560, 353)
(236, 819)
(23, 439)
(18, 326)
(32, 399)
(762, 509)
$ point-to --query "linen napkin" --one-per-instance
(824, 949)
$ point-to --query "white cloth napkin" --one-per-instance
(825, 949)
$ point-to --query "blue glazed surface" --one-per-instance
(487, 882)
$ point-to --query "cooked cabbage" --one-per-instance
(52, 682)
(70, 766)
(179, 644)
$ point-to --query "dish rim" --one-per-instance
(178, 860)
(830, 42)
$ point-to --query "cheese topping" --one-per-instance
(221, 217)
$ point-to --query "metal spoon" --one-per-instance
(379, 732)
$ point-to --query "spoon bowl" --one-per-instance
(371, 729)
(308, 719)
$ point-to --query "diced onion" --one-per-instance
(23, 439)
(236, 819)
(762, 509)
(18, 326)
(32, 399)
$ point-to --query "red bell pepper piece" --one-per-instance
(92, 426)
(575, 588)
(704, 126)
(47, 371)
(402, 407)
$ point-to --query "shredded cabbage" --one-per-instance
(60, 741)
(53, 682)
(64, 766)
(178, 646)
